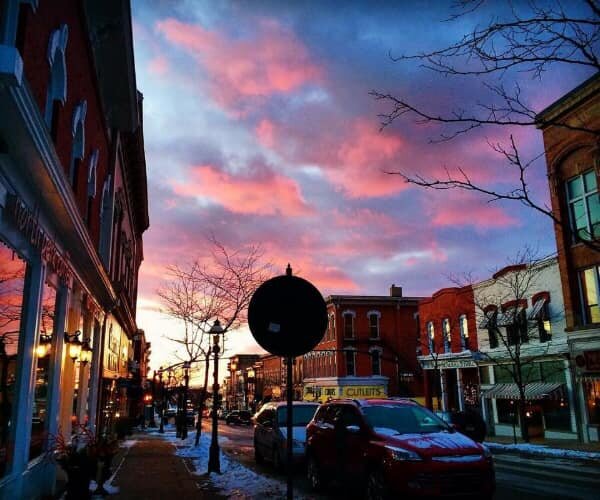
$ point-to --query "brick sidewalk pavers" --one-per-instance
(151, 470)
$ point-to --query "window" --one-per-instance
(540, 314)
(447, 338)
(464, 332)
(374, 317)
(91, 184)
(584, 205)
(507, 411)
(489, 323)
(430, 337)
(349, 324)
(588, 280)
(350, 363)
(12, 285)
(44, 357)
(78, 148)
(516, 325)
(376, 361)
(56, 94)
(331, 328)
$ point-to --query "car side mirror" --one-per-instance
(353, 429)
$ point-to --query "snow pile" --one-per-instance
(235, 481)
(542, 451)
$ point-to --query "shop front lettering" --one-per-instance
(29, 226)
(364, 392)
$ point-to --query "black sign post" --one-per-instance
(287, 316)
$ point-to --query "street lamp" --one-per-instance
(85, 356)
(43, 348)
(214, 464)
(161, 428)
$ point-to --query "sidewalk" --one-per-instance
(150, 470)
(540, 447)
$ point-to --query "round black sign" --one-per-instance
(287, 316)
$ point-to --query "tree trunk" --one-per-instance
(202, 399)
(522, 417)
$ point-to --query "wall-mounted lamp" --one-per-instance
(86, 353)
(43, 348)
(72, 340)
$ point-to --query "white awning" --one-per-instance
(509, 317)
(537, 308)
(536, 390)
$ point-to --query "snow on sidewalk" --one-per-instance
(539, 450)
(235, 481)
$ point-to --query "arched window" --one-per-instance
(349, 324)
(78, 149)
(350, 355)
(464, 332)
(56, 95)
(430, 337)
(447, 337)
(374, 317)
(91, 183)
(331, 328)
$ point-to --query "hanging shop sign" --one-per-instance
(27, 223)
(446, 364)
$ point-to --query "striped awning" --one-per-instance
(536, 390)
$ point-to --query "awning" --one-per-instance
(510, 316)
(487, 317)
(537, 308)
(537, 390)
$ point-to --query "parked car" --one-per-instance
(222, 414)
(395, 447)
(270, 431)
(239, 417)
(470, 423)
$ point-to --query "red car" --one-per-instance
(395, 447)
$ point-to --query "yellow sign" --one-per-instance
(363, 391)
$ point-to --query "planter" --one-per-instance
(78, 481)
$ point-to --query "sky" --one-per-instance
(259, 128)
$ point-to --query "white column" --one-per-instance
(570, 395)
(25, 383)
(443, 390)
(459, 386)
(95, 374)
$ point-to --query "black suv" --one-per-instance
(239, 417)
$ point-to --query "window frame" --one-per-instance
(375, 353)
(352, 315)
(446, 332)
(584, 197)
(350, 361)
(464, 331)
(377, 325)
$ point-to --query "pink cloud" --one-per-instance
(159, 66)
(264, 193)
(466, 210)
(272, 61)
(265, 131)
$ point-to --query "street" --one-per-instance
(517, 477)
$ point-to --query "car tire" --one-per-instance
(377, 488)
(314, 475)
(258, 458)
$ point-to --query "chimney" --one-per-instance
(395, 291)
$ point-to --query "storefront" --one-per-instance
(586, 356)
(325, 388)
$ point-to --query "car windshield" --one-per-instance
(301, 415)
(397, 419)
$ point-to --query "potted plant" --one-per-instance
(77, 460)
(103, 450)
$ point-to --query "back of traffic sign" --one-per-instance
(287, 315)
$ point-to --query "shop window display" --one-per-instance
(44, 358)
(12, 283)
(591, 391)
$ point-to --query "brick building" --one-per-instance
(73, 208)
(447, 340)
(237, 381)
(573, 160)
(368, 349)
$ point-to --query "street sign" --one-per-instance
(287, 315)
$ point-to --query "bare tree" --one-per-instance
(219, 287)
(518, 339)
(532, 38)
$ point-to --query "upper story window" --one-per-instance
(514, 320)
(540, 314)
(375, 361)
(78, 149)
(584, 205)
(56, 94)
(91, 184)
(330, 335)
(590, 291)
(489, 323)
(350, 362)
(374, 317)
(447, 337)
(431, 337)
(349, 324)
(464, 331)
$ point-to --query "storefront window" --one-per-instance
(591, 391)
(507, 411)
(44, 357)
(557, 414)
(12, 282)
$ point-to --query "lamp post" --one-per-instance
(72, 339)
(214, 464)
(161, 428)
(186, 378)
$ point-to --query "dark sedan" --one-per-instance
(239, 417)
